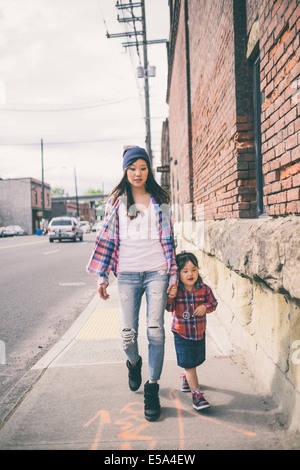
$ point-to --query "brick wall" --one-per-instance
(280, 79)
(165, 155)
(178, 121)
(36, 186)
(217, 148)
(223, 172)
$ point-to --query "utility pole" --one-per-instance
(43, 189)
(129, 7)
(76, 192)
(146, 82)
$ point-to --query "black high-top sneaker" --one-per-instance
(151, 401)
(134, 374)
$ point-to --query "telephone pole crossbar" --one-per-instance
(140, 43)
(141, 18)
(122, 35)
(123, 6)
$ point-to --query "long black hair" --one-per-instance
(183, 258)
(124, 188)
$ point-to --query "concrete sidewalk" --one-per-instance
(80, 399)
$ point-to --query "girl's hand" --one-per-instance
(102, 292)
(200, 311)
(172, 292)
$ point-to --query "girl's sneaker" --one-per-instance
(199, 402)
(185, 386)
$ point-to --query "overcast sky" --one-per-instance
(62, 80)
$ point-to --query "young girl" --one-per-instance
(193, 301)
(136, 242)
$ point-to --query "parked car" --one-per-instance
(1, 231)
(85, 226)
(96, 226)
(64, 228)
(13, 230)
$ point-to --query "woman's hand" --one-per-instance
(200, 311)
(102, 291)
(172, 292)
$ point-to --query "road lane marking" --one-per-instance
(21, 244)
(72, 284)
(50, 252)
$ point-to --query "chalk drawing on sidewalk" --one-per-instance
(103, 417)
(133, 426)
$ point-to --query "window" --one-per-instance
(257, 101)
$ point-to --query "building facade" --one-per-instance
(69, 208)
(21, 203)
(233, 145)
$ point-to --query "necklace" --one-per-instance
(190, 307)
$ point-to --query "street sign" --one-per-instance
(163, 169)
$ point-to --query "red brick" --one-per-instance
(222, 122)
(293, 194)
(296, 180)
(293, 207)
(290, 171)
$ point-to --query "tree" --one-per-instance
(58, 192)
(93, 191)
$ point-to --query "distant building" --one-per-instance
(21, 203)
(69, 208)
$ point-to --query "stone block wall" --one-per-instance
(256, 284)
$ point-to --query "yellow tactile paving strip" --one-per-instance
(103, 323)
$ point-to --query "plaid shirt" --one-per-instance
(183, 306)
(105, 255)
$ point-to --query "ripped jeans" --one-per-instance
(131, 287)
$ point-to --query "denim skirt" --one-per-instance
(189, 353)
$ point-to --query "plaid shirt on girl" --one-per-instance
(183, 306)
(105, 255)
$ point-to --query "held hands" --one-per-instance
(172, 292)
(102, 291)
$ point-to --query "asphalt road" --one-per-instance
(43, 289)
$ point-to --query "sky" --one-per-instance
(64, 82)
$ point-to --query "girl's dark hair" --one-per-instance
(124, 188)
(183, 258)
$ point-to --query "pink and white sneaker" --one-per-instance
(199, 402)
(185, 386)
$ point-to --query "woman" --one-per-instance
(136, 241)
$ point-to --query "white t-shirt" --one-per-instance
(140, 249)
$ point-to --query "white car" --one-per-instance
(12, 230)
(86, 228)
(64, 228)
(96, 227)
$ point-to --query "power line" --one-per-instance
(141, 18)
(78, 142)
(130, 6)
(67, 109)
